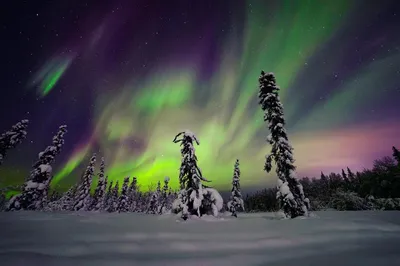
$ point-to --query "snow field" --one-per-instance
(83, 238)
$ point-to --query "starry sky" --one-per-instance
(126, 76)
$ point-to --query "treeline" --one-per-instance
(376, 188)
(36, 195)
(113, 198)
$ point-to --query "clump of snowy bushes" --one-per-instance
(211, 203)
(348, 201)
(389, 204)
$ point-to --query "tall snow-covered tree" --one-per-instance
(35, 188)
(396, 154)
(10, 139)
(192, 190)
(123, 200)
(100, 191)
(132, 195)
(290, 191)
(236, 201)
(83, 197)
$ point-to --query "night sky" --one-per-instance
(127, 76)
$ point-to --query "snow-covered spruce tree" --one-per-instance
(66, 202)
(140, 202)
(159, 197)
(100, 191)
(166, 188)
(396, 154)
(350, 175)
(155, 201)
(83, 197)
(143, 200)
(344, 176)
(113, 200)
(107, 197)
(35, 188)
(290, 191)
(3, 200)
(236, 201)
(10, 139)
(153, 204)
(192, 191)
(164, 206)
(52, 203)
(172, 195)
(55, 195)
(132, 195)
(123, 200)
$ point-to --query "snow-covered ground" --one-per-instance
(86, 239)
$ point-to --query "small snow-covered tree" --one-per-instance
(290, 191)
(141, 202)
(166, 186)
(191, 194)
(165, 204)
(100, 191)
(35, 188)
(396, 154)
(236, 201)
(350, 174)
(107, 197)
(155, 203)
(82, 197)
(10, 139)
(344, 176)
(113, 201)
(153, 207)
(123, 198)
(3, 200)
(55, 195)
(132, 195)
(66, 202)
(159, 197)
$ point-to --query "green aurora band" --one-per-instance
(165, 103)
(133, 123)
(50, 74)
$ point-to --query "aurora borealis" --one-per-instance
(127, 76)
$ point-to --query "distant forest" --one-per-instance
(372, 189)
